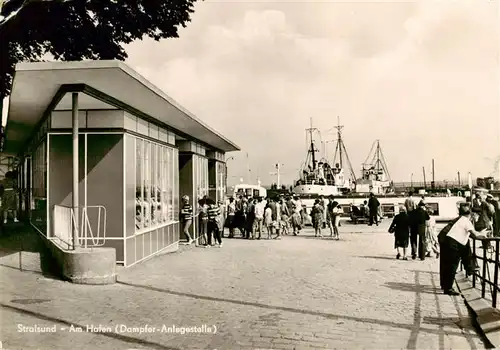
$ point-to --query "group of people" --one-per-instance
(210, 221)
(370, 209)
(254, 215)
(326, 215)
(415, 225)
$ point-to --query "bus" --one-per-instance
(249, 190)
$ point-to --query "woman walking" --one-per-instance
(431, 236)
(296, 218)
(400, 226)
(317, 218)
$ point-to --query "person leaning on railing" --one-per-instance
(454, 247)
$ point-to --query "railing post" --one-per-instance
(483, 279)
(474, 261)
(495, 274)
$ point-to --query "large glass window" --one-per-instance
(155, 171)
(39, 188)
(200, 177)
(221, 181)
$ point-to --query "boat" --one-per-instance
(375, 176)
(318, 177)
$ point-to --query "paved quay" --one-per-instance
(296, 293)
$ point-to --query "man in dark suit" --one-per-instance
(373, 205)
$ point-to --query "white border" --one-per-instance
(47, 185)
(124, 210)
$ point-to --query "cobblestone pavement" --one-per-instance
(299, 292)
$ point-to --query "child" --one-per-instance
(268, 221)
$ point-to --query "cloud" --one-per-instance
(422, 77)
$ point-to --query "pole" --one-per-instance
(278, 175)
(458, 173)
(433, 170)
(248, 170)
(423, 171)
(74, 114)
(339, 142)
(411, 181)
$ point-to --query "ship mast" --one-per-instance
(312, 149)
(377, 163)
(340, 149)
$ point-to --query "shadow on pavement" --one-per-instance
(377, 257)
(410, 287)
(289, 309)
(124, 338)
(18, 238)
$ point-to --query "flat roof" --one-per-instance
(36, 84)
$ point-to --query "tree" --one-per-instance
(73, 30)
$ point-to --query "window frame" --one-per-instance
(156, 185)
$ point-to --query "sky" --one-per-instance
(422, 77)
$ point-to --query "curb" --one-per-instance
(487, 317)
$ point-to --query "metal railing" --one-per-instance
(65, 221)
(486, 266)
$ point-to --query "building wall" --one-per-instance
(103, 181)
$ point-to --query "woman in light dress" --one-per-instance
(431, 235)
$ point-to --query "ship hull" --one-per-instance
(317, 190)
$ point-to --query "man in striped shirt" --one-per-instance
(186, 218)
(214, 221)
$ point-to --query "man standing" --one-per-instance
(411, 205)
(373, 205)
(420, 217)
(214, 222)
(250, 218)
(496, 216)
(260, 207)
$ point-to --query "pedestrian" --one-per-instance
(296, 217)
(400, 227)
(214, 223)
(231, 217)
(8, 194)
(486, 214)
(203, 222)
(496, 217)
(186, 218)
(454, 248)
(373, 205)
(260, 208)
(317, 218)
(268, 221)
(330, 220)
(431, 235)
(284, 216)
(250, 218)
(337, 211)
(420, 217)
